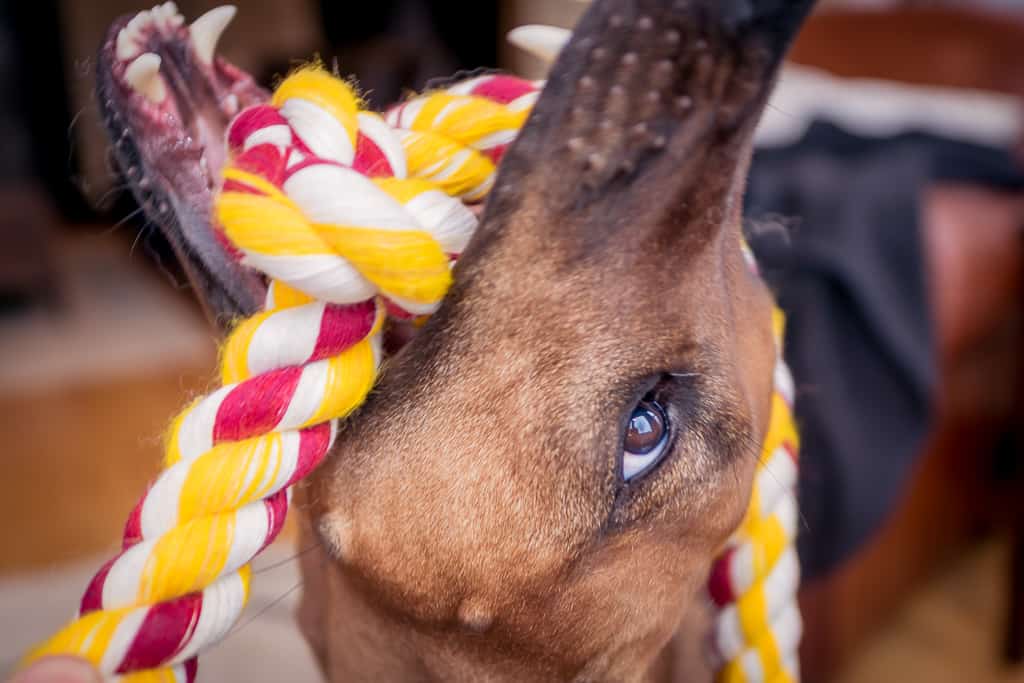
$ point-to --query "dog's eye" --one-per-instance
(646, 439)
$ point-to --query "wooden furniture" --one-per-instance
(953, 494)
(86, 391)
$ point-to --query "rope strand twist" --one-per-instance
(351, 219)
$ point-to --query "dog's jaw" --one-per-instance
(166, 100)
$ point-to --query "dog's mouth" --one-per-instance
(166, 100)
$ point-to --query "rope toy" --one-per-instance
(354, 217)
(754, 581)
(350, 218)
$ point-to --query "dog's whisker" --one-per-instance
(115, 190)
(281, 563)
(266, 608)
(124, 220)
(71, 126)
(804, 524)
(135, 242)
(774, 107)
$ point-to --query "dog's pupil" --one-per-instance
(645, 429)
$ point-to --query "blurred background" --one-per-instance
(886, 205)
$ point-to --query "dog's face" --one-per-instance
(539, 482)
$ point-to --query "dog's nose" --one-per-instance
(774, 20)
(644, 85)
(734, 16)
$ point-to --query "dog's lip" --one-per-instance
(171, 149)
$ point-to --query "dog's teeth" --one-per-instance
(174, 18)
(539, 40)
(144, 76)
(207, 29)
(128, 37)
(138, 20)
(168, 15)
(126, 45)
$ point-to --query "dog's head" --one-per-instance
(538, 484)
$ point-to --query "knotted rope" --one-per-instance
(353, 217)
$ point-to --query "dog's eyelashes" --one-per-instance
(645, 441)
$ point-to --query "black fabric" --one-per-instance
(850, 274)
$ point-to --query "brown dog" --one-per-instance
(474, 521)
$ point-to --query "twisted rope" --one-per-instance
(350, 218)
(754, 581)
(354, 217)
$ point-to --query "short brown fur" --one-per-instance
(473, 522)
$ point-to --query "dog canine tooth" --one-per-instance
(207, 29)
(126, 45)
(539, 40)
(136, 22)
(127, 38)
(144, 76)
